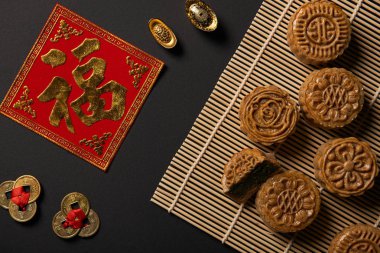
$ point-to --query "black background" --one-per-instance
(121, 197)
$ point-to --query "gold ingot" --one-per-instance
(75, 198)
(22, 216)
(5, 187)
(32, 183)
(201, 15)
(57, 225)
(92, 226)
(162, 33)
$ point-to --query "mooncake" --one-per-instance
(288, 202)
(345, 166)
(318, 32)
(358, 238)
(331, 97)
(268, 115)
(246, 171)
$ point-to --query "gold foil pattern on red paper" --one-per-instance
(96, 143)
(65, 31)
(137, 70)
(87, 47)
(54, 58)
(60, 90)
(25, 103)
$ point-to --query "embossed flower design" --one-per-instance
(331, 97)
(348, 167)
(268, 115)
(335, 97)
(291, 202)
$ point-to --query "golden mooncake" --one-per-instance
(358, 238)
(318, 32)
(246, 171)
(345, 166)
(268, 115)
(331, 97)
(288, 202)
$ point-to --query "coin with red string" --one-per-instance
(75, 217)
(20, 196)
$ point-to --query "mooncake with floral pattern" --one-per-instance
(268, 115)
(288, 202)
(331, 97)
(346, 166)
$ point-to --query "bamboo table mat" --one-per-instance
(191, 188)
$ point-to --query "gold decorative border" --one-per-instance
(103, 162)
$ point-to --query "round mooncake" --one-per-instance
(246, 171)
(356, 239)
(268, 115)
(288, 202)
(318, 32)
(331, 97)
(345, 166)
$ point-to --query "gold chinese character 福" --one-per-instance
(60, 90)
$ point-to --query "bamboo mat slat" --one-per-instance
(191, 189)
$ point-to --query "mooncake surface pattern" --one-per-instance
(318, 32)
(268, 115)
(249, 168)
(288, 202)
(346, 166)
(358, 238)
(331, 97)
